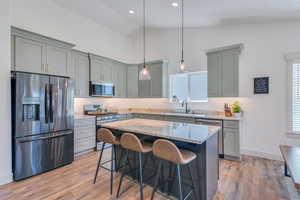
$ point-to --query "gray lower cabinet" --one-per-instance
(84, 135)
(231, 139)
(132, 81)
(79, 72)
(35, 53)
(157, 87)
(223, 71)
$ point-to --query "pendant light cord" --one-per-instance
(182, 38)
(144, 33)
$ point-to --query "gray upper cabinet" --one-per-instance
(157, 87)
(30, 56)
(79, 72)
(35, 53)
(101, 69)
(58, 60)
(223, 71)
(119, 79)
(132, 81)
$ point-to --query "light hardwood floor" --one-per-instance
(252, 179)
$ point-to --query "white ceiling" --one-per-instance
(160, 13)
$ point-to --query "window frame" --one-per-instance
(188, 74)
(291, 59)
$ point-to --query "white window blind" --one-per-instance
(189, 86)
(295, 123)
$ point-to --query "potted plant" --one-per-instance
(236, 109)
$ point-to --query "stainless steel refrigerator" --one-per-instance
(42, 123)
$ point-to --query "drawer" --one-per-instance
(84, 132)
(90, 122)
(231, 124)
(84, 144)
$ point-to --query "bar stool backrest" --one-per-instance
(131, 142)
(105, 135)
(167, 150)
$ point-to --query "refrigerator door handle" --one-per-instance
(51, 103)
(45, 137)
(46, 103)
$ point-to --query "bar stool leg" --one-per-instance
(156, 179)
(123, 174)
(193, 182)
(179, 182)
(141, 175)
(99, 162)
(112, 168)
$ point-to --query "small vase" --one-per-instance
(237, 114)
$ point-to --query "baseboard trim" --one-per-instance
(261, 154)
(6, 179)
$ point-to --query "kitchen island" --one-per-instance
(201, 139)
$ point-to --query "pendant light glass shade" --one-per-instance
(144, 73)
(182, 66)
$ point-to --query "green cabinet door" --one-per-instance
(30, 55)
(132, 81)
(214, 74)
(156, 84)
(58, 60)
(119, 79)
(230, 73)
(101, 69)
(231, 142)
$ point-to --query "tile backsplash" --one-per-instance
(213, 104)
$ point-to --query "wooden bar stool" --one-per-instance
(106, 136)
(131, 142)
(166, 150)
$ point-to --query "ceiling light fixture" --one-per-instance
(174, 4)
(131, 12)
(182, 64)
(144, 73)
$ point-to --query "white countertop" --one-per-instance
(184, 132)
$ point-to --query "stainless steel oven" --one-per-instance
(215, 122)
(102, 89)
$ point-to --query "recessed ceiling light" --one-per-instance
(131, 12)
(174, 4)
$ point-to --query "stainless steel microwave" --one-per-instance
(102, 89)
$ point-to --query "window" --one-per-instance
(189, 86)
(293, 93)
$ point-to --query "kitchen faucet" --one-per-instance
(185, 104)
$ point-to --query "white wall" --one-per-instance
(48, 18)
(264, 46)
(5, 124)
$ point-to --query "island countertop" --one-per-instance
(185, 132)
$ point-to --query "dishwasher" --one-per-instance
(214, 122)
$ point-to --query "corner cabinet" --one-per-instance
(223, 71)
(79, 72)
(35, 53)
(157, 87)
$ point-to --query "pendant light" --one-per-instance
(182, 64)
(144, 73)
